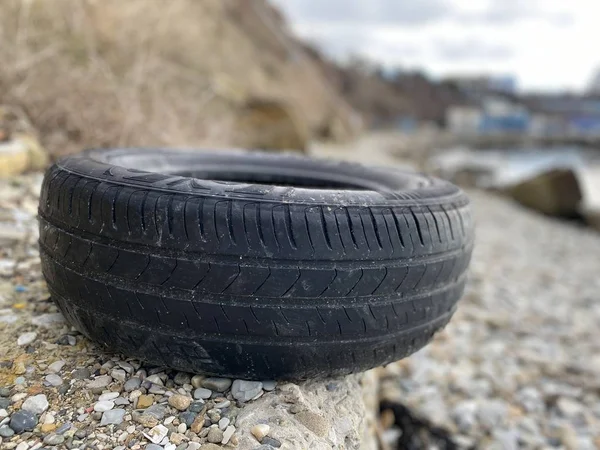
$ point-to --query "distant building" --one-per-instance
(495, 115)
(486, 84)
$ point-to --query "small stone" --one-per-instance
(223, 405)
(99, 382)
(82, 417)
(568, 407)
(260, 431)
(64, 428)
(244, 391)
(227, 434)
(125, 366)
(120, 401)
(132, 384)
(23, 421)
(56, 366)
(202, 393)
(146, 420)
(54, 439)
(6, 431)
(215, 435)
(3, 414)
(180, 402)
(224, 423)
(103, 406)
(177, 438)
(181, 428)
(144, 401)
(157, 434)
(154, 379)
(26, 338)
(22, 446)
(197, 424)
(118, 375)
(269, 385)
(114, 416)
(36, 404)
(314, 422)
(158, 411)
(50, 320)
(108, 396)
(4, 403)
(48, 427)
(81, 374)
(182, 378)
(188, 418)
(271, 442)
(153, 447)
(196, 407)
(4, 392)
(197, 381)
(216, 384)
(53, 379)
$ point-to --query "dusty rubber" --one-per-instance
(147, 256)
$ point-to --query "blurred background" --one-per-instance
(499, 96)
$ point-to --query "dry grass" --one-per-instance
(140, 72)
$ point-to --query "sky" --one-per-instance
(548, 45)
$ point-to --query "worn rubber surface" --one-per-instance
(317, 269)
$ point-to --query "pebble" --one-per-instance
(23, 421)
(269, 385)
(158, 411)
(244, 391)
(215, 435)
(99, 382)
(108, 396)
(56, 366)
(227, 434)
(182, 378)
(216, 384)
(260, 430)
(223, 404)
(118, 375)
(196, 407)
(26, 338)
(144, 401)
(157, 433)
(54, 379)
(267, 440)
(154, 379)
(36, 404)
(196, 381)
(188, 418)
(224, 423)
(4, 392)
(64, 428)
(81, 374)
(114, 416)
(180, 402)
(202, 393)
(153, 447)
(127, 367)
(54, 439)
(104, 405)
(6, 431)
(132, 384)
(314, 422)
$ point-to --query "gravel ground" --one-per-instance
(518, 367)
(58, 390)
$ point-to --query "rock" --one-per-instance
(314, 422)
(118, 375)
(20, 154)
(36, 404)
(132, 384)
(270, 125)
(27, 338)
(244, 391)
(146, 420)
(269, 385)
(157, 434)
(197, 407)
(555, 192)
(224, 423)
(227, 434)
(48, 320)
(144, 401)
(216, 384)
(260, 431)
(114, 416)
(182, 378)
(154, 379)
(108, 396)
(54, 380)
(215, 435)
(569, 408)
(177, 438)
(56, 366)
(103, 406)
(202, 393)
(153, 447)
(81, 374)
(99, 382)
(158, 411)
(196, 381)
(271, 442)
(210, 447)
(54, 439)
(464, 415)
(23, 421)
(180, 402)
(6, 431)
(188, 418)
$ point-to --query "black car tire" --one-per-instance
(252, 265)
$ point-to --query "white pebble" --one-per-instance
(104, 406)
(27, 338)
(54, 380)
(182, 428)
(260, 431)
(36, 404)
(227, 434)
(224, 423)
(108, 396)
(56, 366)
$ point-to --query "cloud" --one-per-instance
(367, 11)
(472, 49)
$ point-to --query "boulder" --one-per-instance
(555, 192)
(270, 125)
